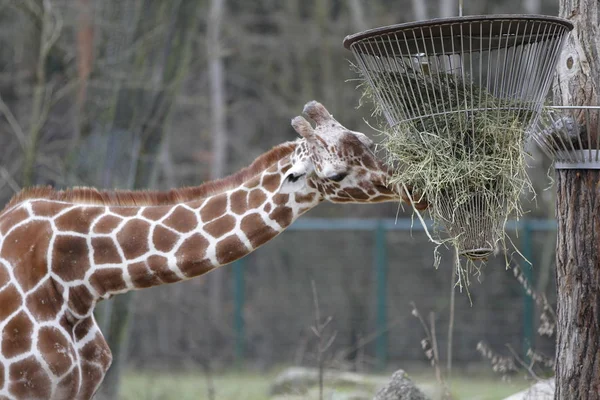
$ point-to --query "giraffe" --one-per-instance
(61, 252)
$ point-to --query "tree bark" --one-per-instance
(578, 218)
(578, 282)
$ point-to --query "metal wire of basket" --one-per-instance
(469, 87)
(475, 63)
(570, 135)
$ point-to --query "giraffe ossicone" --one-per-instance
(61, 252)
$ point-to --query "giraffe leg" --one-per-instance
(94, 354)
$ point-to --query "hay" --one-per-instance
(463, 153)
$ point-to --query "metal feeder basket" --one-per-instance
(461, 84)
(570, 136)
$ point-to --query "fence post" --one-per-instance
(380, 259)
(238, 309)
(527, 271)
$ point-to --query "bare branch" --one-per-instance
(14, 124)
(5, 174)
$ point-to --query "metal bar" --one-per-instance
(238, 314)
(527, 271)
(403, 224)
(380, 258)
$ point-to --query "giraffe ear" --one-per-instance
(295, 177)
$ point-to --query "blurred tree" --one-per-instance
(218, 106)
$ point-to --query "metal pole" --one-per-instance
(238, 316)
(380, 258)
(527, 271)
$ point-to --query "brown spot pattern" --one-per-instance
(356, 194)
(10, 299)
(105, 251)
(182, 220)
(141, 276)
(160, 266)
(47, 208)
(267, 207)
(78, 219)
(46, 301)
(80, 300)
(239, 202)
(82, 328)
(70, 257)
(93, 376)
(107, 224)
(4, 277)
(155, 213)
(256, 198)
(133, 238)
(107, 280)
(12, 218)
(230, 249)
(25, 248)
(124, 211)
(252, 183)
(190, 256)
(164, 239)
(304, 198)
(271, 182)
(214, 207)
(282, 215)
(97, 351)
(281, 199)
(221, 226)
(69, 385)
(256, 230)
(55, 349)
(28, 380)
(16, 335)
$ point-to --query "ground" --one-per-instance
(255, 386)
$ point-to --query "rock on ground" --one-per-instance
(299, 380)
(400, 387)
(543, 390)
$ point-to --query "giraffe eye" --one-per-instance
(337, 177)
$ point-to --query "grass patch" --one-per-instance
(248, 385)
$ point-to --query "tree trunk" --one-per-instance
(578, 218)
(578, 281)
(419, 9)
(219, 133)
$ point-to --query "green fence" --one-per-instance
(379, 227)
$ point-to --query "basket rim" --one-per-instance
(356, 37)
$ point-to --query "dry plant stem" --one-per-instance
(451, 323)
(528, 367)
(434, 357)
(324, 342)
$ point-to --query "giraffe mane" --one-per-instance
(88, 195)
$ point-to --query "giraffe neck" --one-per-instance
(96, 251)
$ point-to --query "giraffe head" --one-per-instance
(339, 163)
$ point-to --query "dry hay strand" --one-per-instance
(468, 163)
